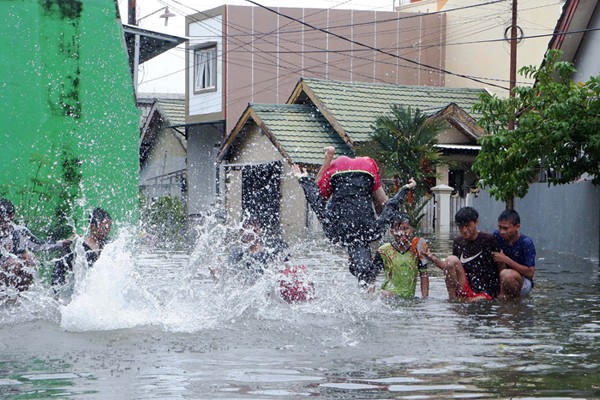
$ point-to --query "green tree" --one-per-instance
(556, 130)
(165, 218)
(403, 142)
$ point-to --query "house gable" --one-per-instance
(157, 116)
(298, 132)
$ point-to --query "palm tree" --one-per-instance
(402, 143)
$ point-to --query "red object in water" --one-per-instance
(295, 286)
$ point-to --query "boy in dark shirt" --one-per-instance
(17, 262)
(471, 272)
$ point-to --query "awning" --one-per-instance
(152, 43)
(459, 148)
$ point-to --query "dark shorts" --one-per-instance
(467, 293)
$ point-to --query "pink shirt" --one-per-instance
(346, 164)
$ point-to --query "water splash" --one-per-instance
(134, 284)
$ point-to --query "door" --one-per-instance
(261, 196)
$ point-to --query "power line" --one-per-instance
(430, 67)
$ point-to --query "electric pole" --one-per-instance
(510, 202)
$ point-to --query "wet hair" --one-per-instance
(401, 218)
(465, 216)
(511, 216)
(99, 215)
(6, 207)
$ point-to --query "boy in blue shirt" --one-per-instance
(517, 253)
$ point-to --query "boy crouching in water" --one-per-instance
(403, 259)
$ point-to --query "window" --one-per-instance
(205, 69)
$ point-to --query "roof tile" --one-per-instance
(355, 105)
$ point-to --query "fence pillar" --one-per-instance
(444, 219)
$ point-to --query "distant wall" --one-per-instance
(561, 218)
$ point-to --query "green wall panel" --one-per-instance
(69, 132)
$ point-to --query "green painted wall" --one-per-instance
(68, 124)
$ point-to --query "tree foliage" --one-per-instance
(164, 217)
(403, 142)
(556, 125)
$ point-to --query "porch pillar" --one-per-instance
(444, 219)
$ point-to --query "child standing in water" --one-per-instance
(403, 259)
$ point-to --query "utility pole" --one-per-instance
(513, 54)
(131, 17)
(510, 202)
(132, 20)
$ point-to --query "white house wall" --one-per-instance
(587, 59)
(202, 33)
(473, 39)
(202, 144)
(167, 156)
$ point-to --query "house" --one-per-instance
(256, 156)
(238, 55)
(353, 117)
(256, 160)
(163, 147)
(477, 38)
(577, 36)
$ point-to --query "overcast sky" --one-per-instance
(164, 74)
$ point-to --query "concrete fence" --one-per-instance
(562, 218)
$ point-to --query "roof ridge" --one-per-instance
(391, 85)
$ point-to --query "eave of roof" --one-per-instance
(458, 148)
(575, 17)
(351, 107)
(152, 43)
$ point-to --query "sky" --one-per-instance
(164, 74)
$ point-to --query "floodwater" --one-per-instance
(151, 324)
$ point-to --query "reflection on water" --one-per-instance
(153, 324)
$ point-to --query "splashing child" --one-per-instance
(403, 259)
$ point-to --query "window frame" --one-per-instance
(196, 67)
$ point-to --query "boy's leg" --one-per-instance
(457, 283)
(455, 277)
(361, 265)
(510, 284)
(327, 159)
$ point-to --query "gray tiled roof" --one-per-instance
(171, 106)
(355, 105)
(174, 109)
(301, 131)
